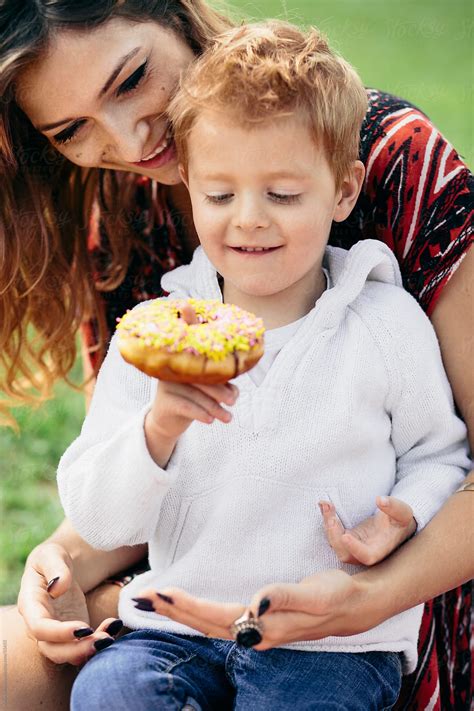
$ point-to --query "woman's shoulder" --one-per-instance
(416, 197)
(384, 111)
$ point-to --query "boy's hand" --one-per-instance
(375, 538)
(176, 405)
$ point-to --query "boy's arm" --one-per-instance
(430, 441)
(110, 487)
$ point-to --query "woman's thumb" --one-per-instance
(54, 564)
(312, 595)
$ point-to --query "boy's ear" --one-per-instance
(183, 174)
(349, 191)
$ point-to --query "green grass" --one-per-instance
(29, 505)
(419, 50)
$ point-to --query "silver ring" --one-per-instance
(247, 630)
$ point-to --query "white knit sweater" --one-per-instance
(355, 405)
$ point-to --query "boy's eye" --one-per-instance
(218, 198)
(68, 133)
(133, 80)
(285, 198)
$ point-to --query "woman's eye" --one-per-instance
(68, 133)
(286, 199)
(133, 80)
(218, 199)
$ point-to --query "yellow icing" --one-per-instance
(223, 328)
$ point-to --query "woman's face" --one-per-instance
(100, 96)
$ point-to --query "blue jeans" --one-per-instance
(147, 670)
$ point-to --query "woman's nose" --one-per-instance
(126, 141)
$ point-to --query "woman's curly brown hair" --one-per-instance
(46, 283)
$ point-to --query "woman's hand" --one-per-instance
(375, 538)
(54, 608)
(317, 607)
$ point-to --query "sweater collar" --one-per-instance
(367, 261)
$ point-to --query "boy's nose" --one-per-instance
(250, 216)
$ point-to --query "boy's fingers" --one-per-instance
(200, 407)
(399, 511)
(188, 314)
(360, 552)
(333, 529)
(226, 392)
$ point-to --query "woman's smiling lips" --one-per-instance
(163, 152)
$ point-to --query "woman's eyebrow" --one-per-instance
(123, 61)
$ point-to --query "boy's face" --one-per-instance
(263, 202)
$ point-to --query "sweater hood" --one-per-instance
(367, 261)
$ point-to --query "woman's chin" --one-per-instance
(168, 175)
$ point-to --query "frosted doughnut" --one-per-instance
(223, 342)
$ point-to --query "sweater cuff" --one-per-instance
(143, 460)
(426, 501)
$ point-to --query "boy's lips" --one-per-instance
(254, 251)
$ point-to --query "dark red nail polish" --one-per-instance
(114, 627)
(83, 632)
(165, 598)
(263, 607)
(143, 603)
(103, 643)
(52, 582)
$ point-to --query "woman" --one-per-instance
(62, 120)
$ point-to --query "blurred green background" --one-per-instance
(420, 50)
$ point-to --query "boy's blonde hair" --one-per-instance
(260, 71)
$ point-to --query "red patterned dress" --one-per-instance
(417, 198)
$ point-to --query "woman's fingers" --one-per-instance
(55, 566)
(398, 511)
(35, 605)
(75, 653)
(314, 595)
(210, 618)
(80, 650)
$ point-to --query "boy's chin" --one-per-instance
(258, 291)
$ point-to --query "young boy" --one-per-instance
(350, 401)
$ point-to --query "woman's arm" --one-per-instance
(91, 566)
(453, 320)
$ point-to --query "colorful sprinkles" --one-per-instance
(221, 329)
